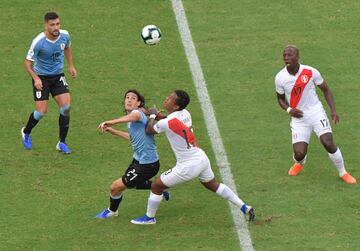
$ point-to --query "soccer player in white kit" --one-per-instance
(191, 160)
(295, 87)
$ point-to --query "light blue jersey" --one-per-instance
(48, 55)
(143, 144)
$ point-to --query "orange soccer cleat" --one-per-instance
(295, 169)
(348, 178)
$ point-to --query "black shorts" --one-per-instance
(137, 173)
(55, 85)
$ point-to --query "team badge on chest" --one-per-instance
(62, 46)
(304, 78)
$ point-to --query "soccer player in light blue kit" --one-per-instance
(145, 163)
(45, 63)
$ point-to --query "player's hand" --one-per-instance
(38, 84)
(153, 110)
(73, 72)
(335, 118)
(103, 127)
(296, 113)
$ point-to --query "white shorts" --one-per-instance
(188, 170)
(301, 129)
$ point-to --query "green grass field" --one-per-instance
(48, 201)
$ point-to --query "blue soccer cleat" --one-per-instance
(62, 147)
(166, 195)
(26, 139)
(248, 210)
(144, 220)
(107, 213)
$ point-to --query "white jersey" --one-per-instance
(299, 89)
(177, 127)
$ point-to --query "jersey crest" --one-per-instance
(299, 87)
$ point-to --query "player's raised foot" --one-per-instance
(144, 220)
(26, 139)
(166, 195)
(348, 178)
(295, 169)
(107, 213)
(248, 210)
(62, 147)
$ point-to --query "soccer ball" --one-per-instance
(151, 34)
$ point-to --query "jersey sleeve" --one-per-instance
(318, 79)
(66, 35)
(68, 41)
(161, 126)
(143, 118)
(279, 88)
(31, 54)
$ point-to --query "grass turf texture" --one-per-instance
(48, 201)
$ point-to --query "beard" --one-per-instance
(55, 33)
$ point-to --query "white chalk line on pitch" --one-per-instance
(210, 121)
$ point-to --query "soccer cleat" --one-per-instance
(62, 147)
(26, 139)
(248, 210)
(295, 169)
(348, 178)
(166, 195)
(144, 220)
(107, 213)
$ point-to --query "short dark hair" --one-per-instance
(182, 100)
(139, 96)
(293, 47)
(50, 16)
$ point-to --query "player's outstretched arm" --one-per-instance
(104, 128)
(131, 117)
(117, 133)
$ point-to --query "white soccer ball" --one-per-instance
(151, 34)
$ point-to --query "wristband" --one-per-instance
(152, 116)
(288, 109)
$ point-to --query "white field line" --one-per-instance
(210, 121)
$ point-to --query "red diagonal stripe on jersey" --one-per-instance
(299, 87)
(182, 130)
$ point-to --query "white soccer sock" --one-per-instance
(338, 161)
(153, 204)
(225, 192)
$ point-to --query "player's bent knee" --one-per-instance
(65, 110)
(212, 185)
(158, 186)
(117, 186)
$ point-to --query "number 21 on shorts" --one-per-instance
(132, 174)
